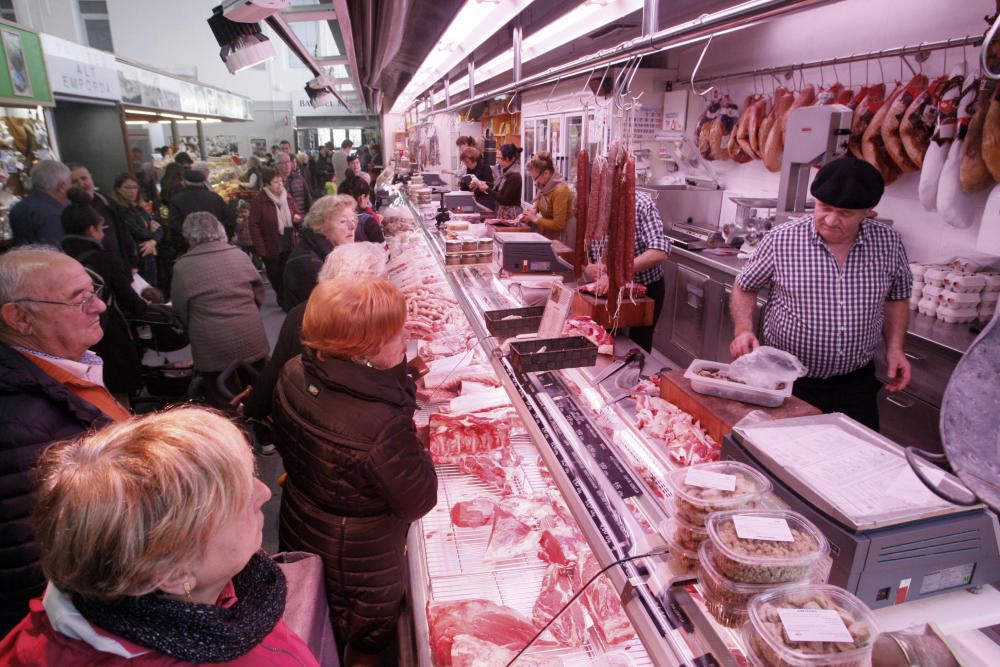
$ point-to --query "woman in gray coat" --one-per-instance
(217, 293)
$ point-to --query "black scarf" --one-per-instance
(198, 632)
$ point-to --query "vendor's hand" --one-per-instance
(531, 215)
(147, 248)
(898, 370)
(594, 271)
(743, 343)
(481, 186)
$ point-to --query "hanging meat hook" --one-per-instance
(694, 72)
(984, 51)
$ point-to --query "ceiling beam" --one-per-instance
(288, 36)
(300, 13)
(330, 61)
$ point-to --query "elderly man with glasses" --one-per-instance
(51, 388)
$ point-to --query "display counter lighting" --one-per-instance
(171, 115)
(139, 122)
(139, 112)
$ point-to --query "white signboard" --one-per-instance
(301, 107)
(80, 70)
(151, 89)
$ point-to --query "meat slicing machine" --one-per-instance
(526, 252)
(814, 136)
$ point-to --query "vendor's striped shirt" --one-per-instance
(829, 316)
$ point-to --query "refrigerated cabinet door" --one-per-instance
(528, 141)
(909, 421)
(574, 139)
(689, 318)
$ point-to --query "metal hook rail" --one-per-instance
(968, 40)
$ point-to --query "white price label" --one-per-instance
(710, 480)
(814, 625)
(762, 528)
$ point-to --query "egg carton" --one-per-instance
(964, 282)
(959, 315)
(958, 299)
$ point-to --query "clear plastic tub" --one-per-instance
(693, 503)
(735, 391)
(766, 637)
(725, 599)
(685, 561)
(764, 561)
(992, 281)
(686, 535)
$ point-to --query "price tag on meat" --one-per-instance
(762, 528)
(707, 479)
(814, 625)
(556, 312)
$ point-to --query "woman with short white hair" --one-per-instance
(217, 292)
(330, 222)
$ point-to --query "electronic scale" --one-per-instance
(891, 539)
(526, 252)
(461, 201)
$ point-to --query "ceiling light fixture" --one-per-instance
(236, 30)
(475, 22)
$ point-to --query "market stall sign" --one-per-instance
(302, 107)
(23, 78)
(79, 70)
(153, 90)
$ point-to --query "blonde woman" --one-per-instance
(331, 222)
(150, 532)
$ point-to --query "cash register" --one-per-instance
(891, 539)
(526, 252)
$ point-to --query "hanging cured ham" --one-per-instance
(830, 94)
(974, 174)
(866, 104)
(772, 136)
(755, 132)
(738, 150)
(746, 133)
(991, 137)
(873, 146)
(945, 127)
(956, 207)
(704, 130)
(917, 124)
(890, 128)
(775, 146)
(721, 128)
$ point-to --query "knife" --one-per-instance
(615, 366)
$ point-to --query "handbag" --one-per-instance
(307, 613)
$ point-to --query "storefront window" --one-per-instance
(7, 11)
(95, 21)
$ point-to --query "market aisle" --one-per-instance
(270, 467)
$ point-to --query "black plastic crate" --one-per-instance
(528, 321)
(552, 354)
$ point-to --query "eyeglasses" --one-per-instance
(98, 292)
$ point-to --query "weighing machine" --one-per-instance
(891, 539)
(814, 136)
(526, 252)
(461, 201)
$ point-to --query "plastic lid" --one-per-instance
(764, 620)
(810, 543)
(750, 485)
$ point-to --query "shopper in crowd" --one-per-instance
(242, 238)
(218, 293)
(117, 238)
(369, 222)
(296, 186)
(51, 388)
(150, 532)
(145, 231)
(35, 219)
(251, 179)
(85, 232)
(285, 146)
(302, 166)
(321, 169)
(366, 158)
(340, 162)
(173, 176)
(361, 260)
(506, 192)
(553, 207)
(329, 223)
(357, 473)
(461, 144)
(274, 226)
(145, 175)
(650, 251)
(476, 172)
(840, 281)
(197, 197)
(354, 169)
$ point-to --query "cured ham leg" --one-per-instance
(873, 146)
(975, 175)
(917, 124)
(866, 104)
(775, 145)
(756, 130)
(894, 117)
(991, 137)
(945, 127)
(956, 207)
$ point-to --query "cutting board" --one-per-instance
(717, 415)
(637, 314)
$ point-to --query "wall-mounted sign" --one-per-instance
(23, 79)
(147, 88)
(80, 70)
(302, 107)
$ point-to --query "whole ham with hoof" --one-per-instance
(772, 135)
(974, 173)
(873, 145)
(756, 134)
(890, 129)
(865, 105)
(775, 145)
(991, 137)
(917, 124)
(945, 126)
(956, 207)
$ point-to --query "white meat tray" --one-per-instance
(734, 391)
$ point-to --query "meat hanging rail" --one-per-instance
(899, 51)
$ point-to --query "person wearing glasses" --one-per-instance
(51, 388)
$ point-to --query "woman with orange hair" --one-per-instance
(357, 474)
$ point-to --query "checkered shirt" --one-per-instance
(830, 317)
(648, 234)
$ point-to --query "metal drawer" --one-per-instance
(907, 420)
(931, 365)
(690, 313)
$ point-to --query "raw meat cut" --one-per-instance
(872, 99)
(481, 619)
(894, 118)
(945, 127)
(451, 436)
(446, 346)
(469, 651)
(775, 143)
(561, 545)
(495, 468)
(956, 207)
(602, 285)
(581, 325)
(518, 524)
(917, 124)
(558, 586)
(685, 441)
(472, 513)
(604, 605)
(873, 146)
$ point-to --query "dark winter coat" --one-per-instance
(194, 199)
(138, 222)
(264, 225)
(357, 477)
(117, 239)
(368, 230)
(302, 268)
(35, 411)
(122, 370)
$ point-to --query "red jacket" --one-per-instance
(264, 225)
(35, 643)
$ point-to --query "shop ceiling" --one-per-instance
(393, 38)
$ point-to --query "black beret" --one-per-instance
(848, 183)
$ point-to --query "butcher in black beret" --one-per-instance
(845, 191)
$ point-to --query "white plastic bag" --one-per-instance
(767, 368)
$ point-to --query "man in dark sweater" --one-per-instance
(197, 196)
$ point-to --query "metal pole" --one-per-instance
(650, 17)
(447, 91)
(201, 140)
(175, 133)
(472, 76)
(518, 31)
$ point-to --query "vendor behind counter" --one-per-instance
(476, 172)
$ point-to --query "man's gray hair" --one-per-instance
(22, 267)
(203, 227)
(357, 260)
(48, 174)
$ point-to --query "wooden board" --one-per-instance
(717, 415)
(637, 314)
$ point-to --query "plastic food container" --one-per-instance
(963, 282)
(470, 244)
(693, 503)
(552, 354)
(453, 259)
(685, 560)
(952, 298)
(513, 321)
(686, 535)
(932, 290)
(992, 281)
(452, 245)
(468, 258)
(766, 636)
(486, 245)
(764, 561)
(725, 599)
(735, 391)
(935, 276)
(917, 269)
(957, 314)
(928, 306)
